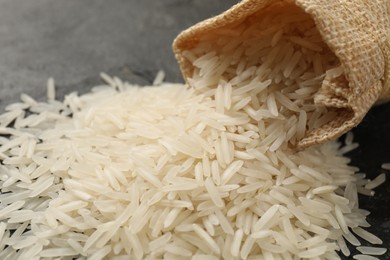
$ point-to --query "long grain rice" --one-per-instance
(380, 179)
(367, 236)
(364, 257)
(371, 250)
(204, 170)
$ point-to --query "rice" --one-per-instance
(11, 208)
(367, 236)
(351, 239)
(214, 194)
(386, 166)
(380, 179)
(266, 217)
(207, 238)
(313, 252)
(204, 170)
(204, 257)
(53, 252)
(51, 91)
(236, 243)
(158, 80)
(364, 257)
(372, 250)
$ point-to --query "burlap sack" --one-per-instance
(357, 31)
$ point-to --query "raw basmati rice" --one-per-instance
(367, 236)
(159, 78)
(235, 247)
(51, 92)
(204, 170)
(207, 238)
(380, 179)
(364, 257)
(386, 166)
(371, 250)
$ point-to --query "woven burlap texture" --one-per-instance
(358, 33)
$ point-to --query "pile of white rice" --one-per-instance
(206, 171)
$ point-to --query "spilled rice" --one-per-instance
(206, 171)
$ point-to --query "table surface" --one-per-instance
(73, 41)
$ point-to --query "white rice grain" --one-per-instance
(367, 236)
(380, 179)
(57, 252)
(385, 166)
(266, 217)
(158, 80)
(51, 91)
(204, 235)
(214, 194)
(364, 257)
(368, 250)
(236, 244)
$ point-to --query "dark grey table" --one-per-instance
(74, 40)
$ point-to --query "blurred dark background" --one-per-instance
(73, 41)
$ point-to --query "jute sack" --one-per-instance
(356, 31)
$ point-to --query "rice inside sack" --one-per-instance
(281, 61)
(159, 172)
(356, 32)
